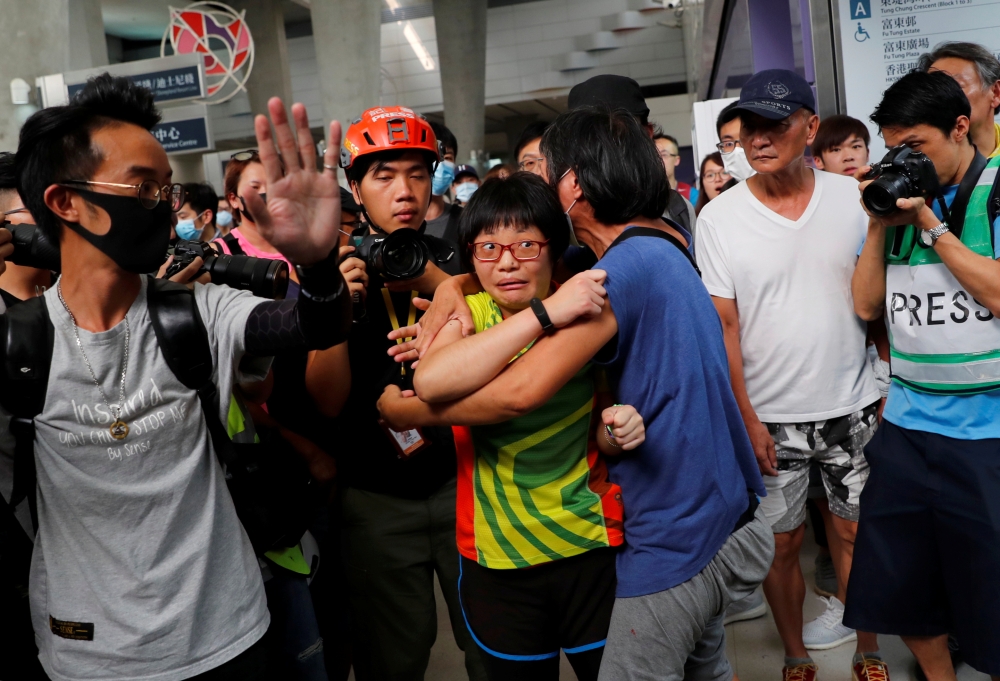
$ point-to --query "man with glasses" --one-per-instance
(529, 158)
(776, 254)
(141, 568)
(671, 156)
(727, 125)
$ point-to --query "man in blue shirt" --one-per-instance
(695, 537)
(928, 547)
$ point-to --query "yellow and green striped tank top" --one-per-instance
(534, 489)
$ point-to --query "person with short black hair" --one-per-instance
(526, 153)
(536, 577)
(141, 567)
(694, 537)
(17, 282)
(734, 158)
(841, 145)
(398, 501)
(776, 250)
(926, 555)
(977, 72)
(196, 218)
(670, 152)
(442, 217)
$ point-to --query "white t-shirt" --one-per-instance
(141, 568)
(803, 347)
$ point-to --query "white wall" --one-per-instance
(526, 45)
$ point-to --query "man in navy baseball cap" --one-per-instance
(776, 94)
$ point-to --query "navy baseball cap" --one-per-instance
(776, 94)
(465, 170)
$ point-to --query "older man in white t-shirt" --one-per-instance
(777, 253)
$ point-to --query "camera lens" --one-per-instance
(401, 255)
(881, 195)
(263, 278)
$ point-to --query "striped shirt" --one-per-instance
(534, 489)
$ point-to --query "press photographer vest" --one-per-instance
(942, 340)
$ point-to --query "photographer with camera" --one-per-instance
(142, 568)
(927, 556)
(776, 252)
(17, 282)
(399, 503)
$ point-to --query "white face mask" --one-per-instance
(573, 241)
(737, 165)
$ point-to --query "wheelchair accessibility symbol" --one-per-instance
(861, 34)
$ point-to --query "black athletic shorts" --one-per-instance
(529, 614)
(927, 554)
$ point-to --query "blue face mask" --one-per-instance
(464, 191)
(444, 175)
(186, 230)
(224, 218)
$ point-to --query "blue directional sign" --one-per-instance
(183, 136)
(167, 86)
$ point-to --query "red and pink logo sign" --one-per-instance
(217, 32)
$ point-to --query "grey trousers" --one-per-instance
(678, 633)
(391, 549)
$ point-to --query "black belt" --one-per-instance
(749, 513)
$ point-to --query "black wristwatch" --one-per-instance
(543, 317)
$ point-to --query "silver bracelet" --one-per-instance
(610, 438)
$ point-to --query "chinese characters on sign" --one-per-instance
(183, 136)
(885, 38)
(167, 86)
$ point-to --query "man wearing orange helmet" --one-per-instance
(399, 503)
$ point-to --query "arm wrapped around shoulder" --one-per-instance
(319, 319)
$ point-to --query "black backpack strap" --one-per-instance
(183, 340)
(27, 337)
(233, 244)
(633, 232)
(993, 202)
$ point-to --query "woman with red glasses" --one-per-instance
(533, 490)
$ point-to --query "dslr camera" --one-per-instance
(32, 248)
(902, 174)
(263, 278)
(395, 256)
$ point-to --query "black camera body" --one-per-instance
(902, 174)
(262, 277)
(32, 248)
(395, 256)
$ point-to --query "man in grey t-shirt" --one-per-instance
(141, 568)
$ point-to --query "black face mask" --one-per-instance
(138, 238)
(246, 211)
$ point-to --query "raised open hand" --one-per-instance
(302, 213)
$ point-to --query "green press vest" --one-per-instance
(942, 340)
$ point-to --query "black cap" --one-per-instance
(347, 201)
(617, 92)
(776, 94)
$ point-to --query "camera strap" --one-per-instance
(394, 320)
(955, 217)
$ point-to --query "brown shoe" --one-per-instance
(800, 672)
(870, 669)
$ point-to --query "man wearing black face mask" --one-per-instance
(141, 568)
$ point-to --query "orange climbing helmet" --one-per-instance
(388, 128)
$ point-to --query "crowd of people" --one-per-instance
(594, 403)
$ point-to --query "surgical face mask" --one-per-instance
(444, 175)
(138, 238)
(464, 191)
(246, 211)
(224, 218)
(573, 241)
(187, 230)
(737, 165)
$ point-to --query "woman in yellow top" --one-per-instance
(533, 491)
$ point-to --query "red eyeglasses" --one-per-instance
(489, 251)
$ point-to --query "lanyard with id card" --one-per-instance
(408, 442)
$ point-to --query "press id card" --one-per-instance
(408, 442)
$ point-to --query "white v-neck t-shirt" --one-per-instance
(803, 347)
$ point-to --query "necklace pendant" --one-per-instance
(119, 429)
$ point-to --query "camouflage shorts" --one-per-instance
(836, 445)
